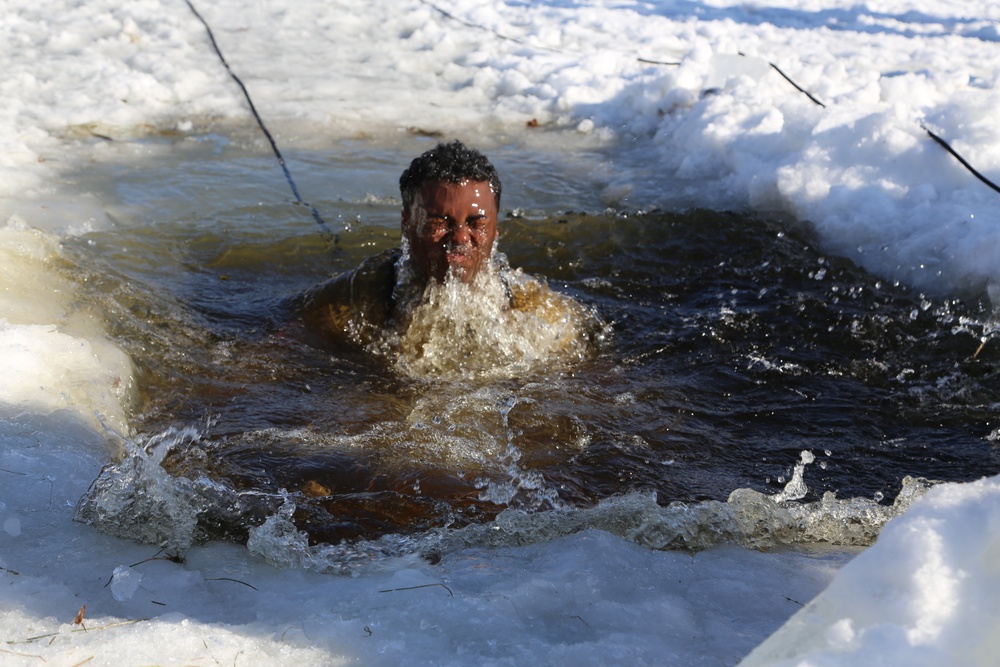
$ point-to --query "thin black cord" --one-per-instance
(470, 24)
(326, 228)
(789, 80)
(944, 144)
(274, 146)
(658, 62)
(939, 140)
(797, 86)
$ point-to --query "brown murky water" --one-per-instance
(732, 345)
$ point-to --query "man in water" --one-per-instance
(451, 201)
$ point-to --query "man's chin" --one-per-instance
(460, 275)
(463, 271)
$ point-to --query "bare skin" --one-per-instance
(450, 228)
(449, 231)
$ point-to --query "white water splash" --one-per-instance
(796, 488)
(504, 324)
(524, 489)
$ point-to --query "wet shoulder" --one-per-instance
(533, 297)
(530, 294)
(354, 305)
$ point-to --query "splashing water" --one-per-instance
(728, 357)
(796, 488)
(138, 499)
(523, 489)
(504, 324)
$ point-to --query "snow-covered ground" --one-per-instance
(711, 123)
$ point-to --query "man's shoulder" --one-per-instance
(532, 294)
(528, 292)
(381, 265)
(357, 299)
(377, 272)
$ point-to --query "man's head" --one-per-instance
(451, 198)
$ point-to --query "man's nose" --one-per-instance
(460, 234)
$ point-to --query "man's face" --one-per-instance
(451, 227)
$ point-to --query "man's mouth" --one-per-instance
(458, 256)
(460, 262)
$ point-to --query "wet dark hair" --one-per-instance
(450, 163)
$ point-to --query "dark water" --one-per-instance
(734, 345)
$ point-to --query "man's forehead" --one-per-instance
(433, 191)
(434, 183)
